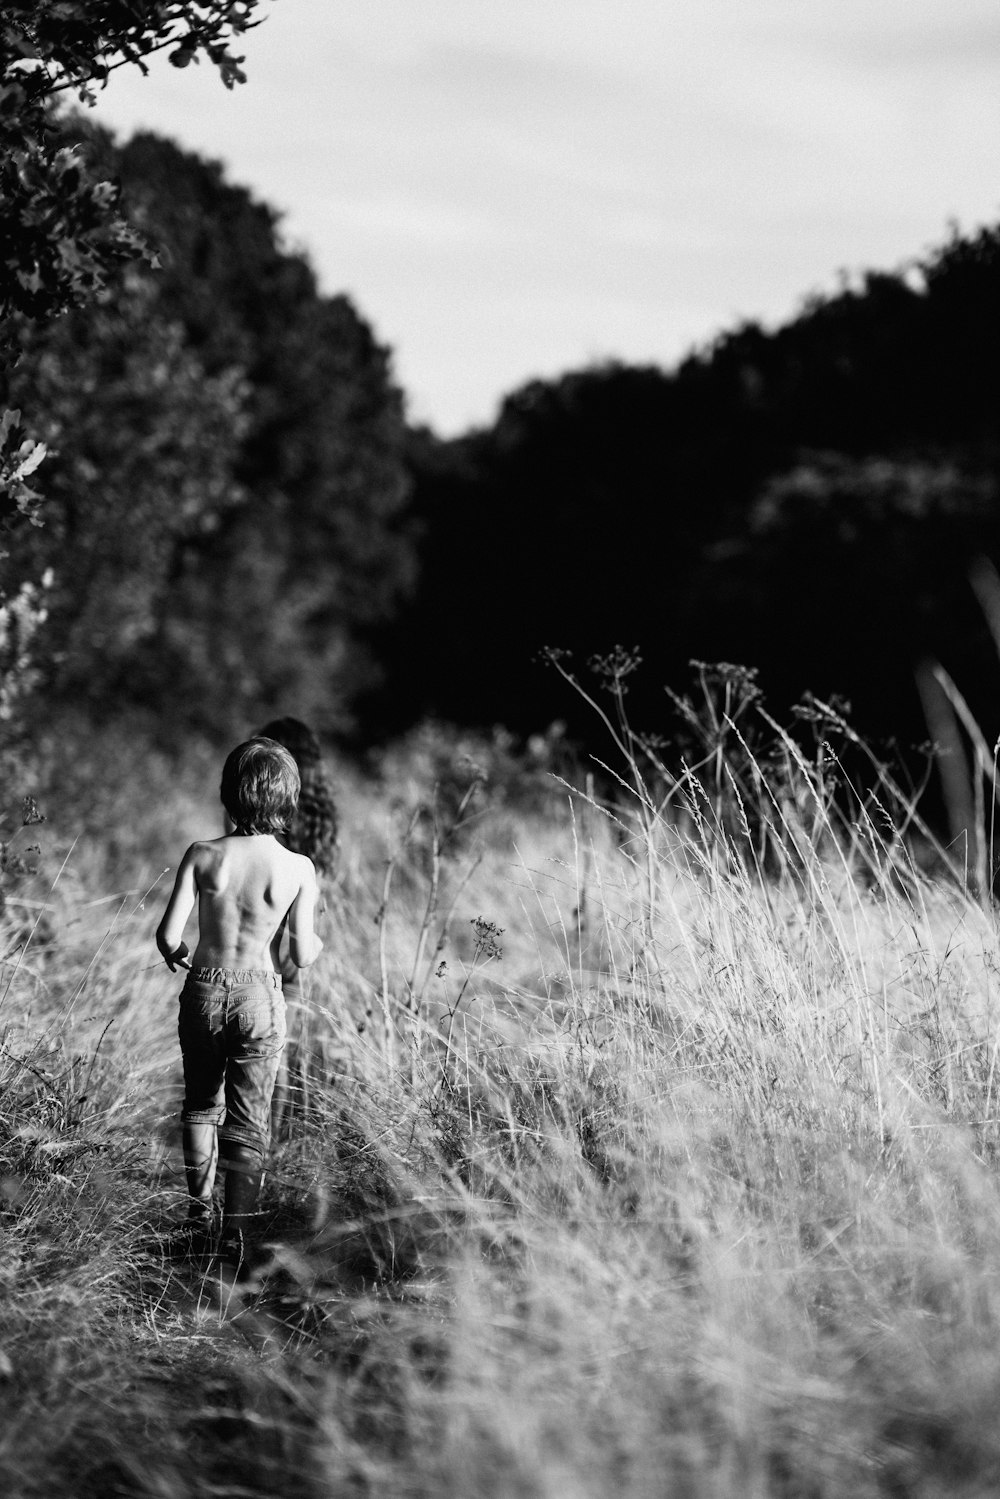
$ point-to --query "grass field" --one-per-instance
(638, 1147)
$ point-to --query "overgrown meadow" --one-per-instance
(640, 1134)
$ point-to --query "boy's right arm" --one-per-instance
(170, 932)
(304, 946)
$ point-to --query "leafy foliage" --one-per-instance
(64, 237)
(63, 234)
(22, 614)
(227, 487)
(142, 446)
(321, 544)
(20, 456)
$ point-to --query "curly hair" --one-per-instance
(313, 829)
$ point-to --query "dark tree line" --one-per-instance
(807, 500)
(237, 521)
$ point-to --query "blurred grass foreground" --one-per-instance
(640, 1137)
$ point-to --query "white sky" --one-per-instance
(511, 188)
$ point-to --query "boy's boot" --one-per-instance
(244, 1170)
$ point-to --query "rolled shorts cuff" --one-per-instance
(212, 1115)
(236, 1134)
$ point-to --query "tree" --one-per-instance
(227, 493)
(63, 234)
(849, 571)
(142, 447)
(566, 523)
(321, 544)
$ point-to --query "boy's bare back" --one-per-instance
(246, 888)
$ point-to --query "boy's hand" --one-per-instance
(178, 958)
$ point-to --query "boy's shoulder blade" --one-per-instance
(202, 846)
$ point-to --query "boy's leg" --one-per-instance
(201, 1028)
(244, 1172)
(201, 1156)
(257, 1036)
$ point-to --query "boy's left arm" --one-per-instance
(304, 945)
(170, 932)
(281, 947)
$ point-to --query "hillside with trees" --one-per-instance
(806, 500)
(238, 520)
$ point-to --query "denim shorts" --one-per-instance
(232, 1030)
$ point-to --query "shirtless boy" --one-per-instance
(250, 891)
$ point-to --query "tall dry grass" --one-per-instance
(644, 1143)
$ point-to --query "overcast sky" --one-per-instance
(510, 188)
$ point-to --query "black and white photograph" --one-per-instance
(499, 738)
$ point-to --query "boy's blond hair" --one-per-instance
(260, 786)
